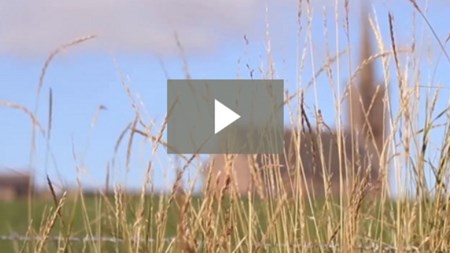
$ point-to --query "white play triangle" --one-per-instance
(223, 116)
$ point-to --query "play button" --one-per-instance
(223, 116)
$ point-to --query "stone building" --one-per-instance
(326, 161)
(14, 185)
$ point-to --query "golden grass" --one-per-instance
(227, 222)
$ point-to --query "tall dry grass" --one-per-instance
(182, 221)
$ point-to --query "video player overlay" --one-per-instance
(225, 116)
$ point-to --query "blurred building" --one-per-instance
(15, 185)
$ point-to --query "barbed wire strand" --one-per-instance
(372, 247)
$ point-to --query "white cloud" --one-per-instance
(39, 26)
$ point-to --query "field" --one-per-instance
(414, 156)
(125, 223)
(227, 224)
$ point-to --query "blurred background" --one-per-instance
(121, 53)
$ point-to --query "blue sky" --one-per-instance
(136, 42)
